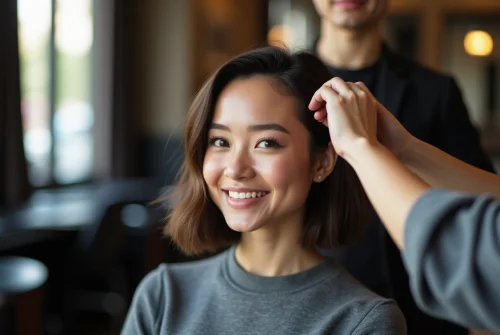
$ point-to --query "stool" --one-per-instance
(21, 295)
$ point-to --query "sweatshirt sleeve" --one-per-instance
(452, 253)
(147, 304)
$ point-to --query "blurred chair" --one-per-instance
(21, 295)
(97, 280)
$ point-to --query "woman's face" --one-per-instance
(257, 166)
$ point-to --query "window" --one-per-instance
(55, 48)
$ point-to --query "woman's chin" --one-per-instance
(243, 227)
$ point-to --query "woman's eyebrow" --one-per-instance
(253, 128)
(219, 127)
(268, 126)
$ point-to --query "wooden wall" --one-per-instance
(222, 29)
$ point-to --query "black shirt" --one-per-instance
(367, 75)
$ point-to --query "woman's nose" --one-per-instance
(239, 166)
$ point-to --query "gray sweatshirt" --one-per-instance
(452, 252)
(216, 296)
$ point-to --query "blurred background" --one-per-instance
(93, 95)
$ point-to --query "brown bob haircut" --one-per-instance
(337, 209)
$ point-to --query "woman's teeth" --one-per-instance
(246, 195)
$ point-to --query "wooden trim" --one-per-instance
(430, 33)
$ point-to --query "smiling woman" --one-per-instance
(261, 177)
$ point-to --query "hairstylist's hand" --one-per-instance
(390, 132)
(348, 110)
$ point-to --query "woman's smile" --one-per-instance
(244, 198)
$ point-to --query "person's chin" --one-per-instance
(351, 25)
(246, 226)
(348, 19)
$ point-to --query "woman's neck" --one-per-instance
(266, 254)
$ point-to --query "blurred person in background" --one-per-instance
(429, 104)
(262, 180)
(442, 213)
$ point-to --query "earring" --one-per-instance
(319, 177)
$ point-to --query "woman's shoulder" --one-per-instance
(168, 274)
(367, 308)
(159, 289)
(353, 289)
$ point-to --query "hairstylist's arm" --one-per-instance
(434, 166)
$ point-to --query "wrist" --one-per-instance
(358, 149)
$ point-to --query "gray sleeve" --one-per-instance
(384, 318)
(147, 304)
(452, 253)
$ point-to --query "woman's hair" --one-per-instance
(337, 209)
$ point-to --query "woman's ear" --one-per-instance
(324, 163)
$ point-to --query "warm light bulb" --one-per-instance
(478, 43)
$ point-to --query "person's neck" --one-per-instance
(349, 49)
(275, 253)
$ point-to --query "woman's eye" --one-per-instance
(218, 142)
(269, 143)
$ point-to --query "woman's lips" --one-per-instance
(251, 198)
